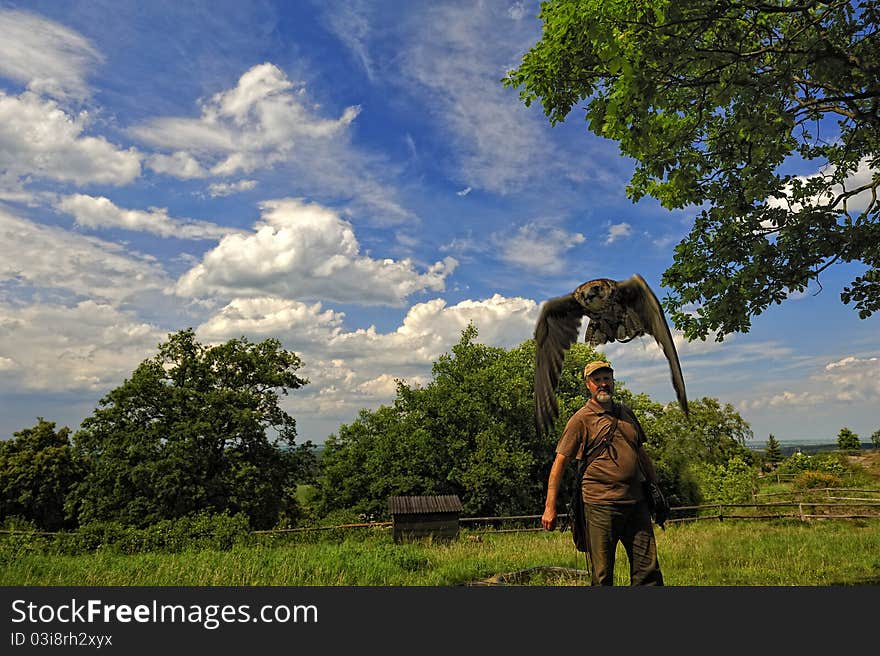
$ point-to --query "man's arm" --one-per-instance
(642, 452)
(648, 464)
(548, 519)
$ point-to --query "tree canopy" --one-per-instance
(847, 440)
(37, 471)
(773, 454)
(195, 428)
(763, 115)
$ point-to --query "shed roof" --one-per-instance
(424, 504)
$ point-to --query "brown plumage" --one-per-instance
(618, 310)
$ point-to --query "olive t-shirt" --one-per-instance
(614, 475)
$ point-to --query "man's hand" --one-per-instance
(548, 519)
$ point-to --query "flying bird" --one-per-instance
(618, 310)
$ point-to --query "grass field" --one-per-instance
(729, 553)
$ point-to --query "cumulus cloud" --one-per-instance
(90, 345)
(37, 138)
(46, 56)
(99, 212)
(351, 369)
(268, 121)
(850, 379)
(618, 231)
(251, 126)
(861, 177)
(538, 246)
(305, 251)
(50, 258)
(178, 164)
(308, 324)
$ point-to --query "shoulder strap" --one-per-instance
(600, 445)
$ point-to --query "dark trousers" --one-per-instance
(629, 524)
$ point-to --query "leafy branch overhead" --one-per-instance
(711, 99)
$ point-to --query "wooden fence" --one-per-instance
(806, 510)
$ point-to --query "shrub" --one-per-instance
(732, 482)
(796, 463)
(192, 532)
(815, 479)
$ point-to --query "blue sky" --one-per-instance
(352, 179)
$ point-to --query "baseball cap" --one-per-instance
(595, 365)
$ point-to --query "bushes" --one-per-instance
(733, 482)
(827, 463)
(199, 531)
(814, 479)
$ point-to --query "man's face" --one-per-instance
(601, 385)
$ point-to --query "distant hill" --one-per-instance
(790, 447)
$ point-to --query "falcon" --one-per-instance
(618, 310)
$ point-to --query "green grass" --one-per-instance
(708, 553)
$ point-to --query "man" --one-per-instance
(614, 502)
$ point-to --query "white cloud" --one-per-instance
(265, 121)
(618, 231)
(305, 251)
(498, 142)
(46, 56)
(538, 246)
(517, 10)
(252, 126)
(100, 212)
(50, 258)
(351, 369)
(37, 138)
(350, 22)
(862, 176)
(852, 379)
(848, 380)
(179, 164)
(229, 188)
(89, 346)
(308, 324)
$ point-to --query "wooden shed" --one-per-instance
(425, 516)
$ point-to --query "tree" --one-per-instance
(875, 438)
(189, 432)
(847, 440)
(711, 100)
(37, 470)
(713, 434)
(773, 454)
(732, 482)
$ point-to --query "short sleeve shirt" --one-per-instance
(614, 475)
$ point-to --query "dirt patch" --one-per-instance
(869, 459)
(542, 575)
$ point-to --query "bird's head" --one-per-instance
(595, 294)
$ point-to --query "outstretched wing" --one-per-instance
(557, 329)
(638, 297)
